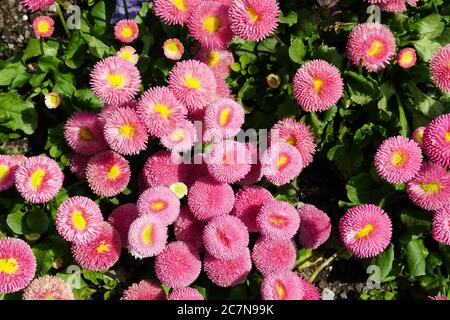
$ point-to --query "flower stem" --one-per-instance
(323, 265)
(61, 17)
(125, 8)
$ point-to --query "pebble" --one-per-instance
(25, 17)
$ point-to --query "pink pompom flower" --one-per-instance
(430, 188)
(147, 237)
(440, 68)
(48, 288)
(39, 179)
(278, 220)
(282, 285)
(161, 203)
(79, 220)
(144, 290)
(43, 27)
(274, 255)
(126, 31)
(255, 174)
(365, 230)
(253, 20)
(317, 85)
(115, 80)
(208, 198)
(219, 61)
(108, 173)
(78, 164)
(164, 168)
(187, 228)
(310, 291)
(129, 54)
(228, 273)
(441, 225)
(181, 138)
(185, 294)
(315, 228)
(17, 265)
(8, 168)
(398, 159)
(121, 218)
(371, 44)
(173, 49)
(223, 119)
(178, 265)
(35, 5)
(406, 58)
(436, 140)
(281, 163)
(175, 11)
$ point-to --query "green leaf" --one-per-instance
(15, 222)
(362, 89)
(430, 27)
(9, 73)
(34, 49)
(425, 48)
(44, 258)
(329, 54)
(416, 255)
(348, 158)
(384, 261)
(290, 19)
(37, 221)
(17, 114)
(64, 83)
(359, 188)
(424, 103)
(416, 221)
(297, 50)
(98, 48)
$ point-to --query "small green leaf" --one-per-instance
(15, 222)
(384, 261)
(37, 221)
(416, 255)
(297, 50)
(17, 114)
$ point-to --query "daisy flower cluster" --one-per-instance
(422, 164)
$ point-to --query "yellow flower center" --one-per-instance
(318, 84)
(192, 83)
(114, 172)
(213, 58)
(398, 158)
(180, 5)
(431, 187)
(147, 235)
(179, 188)
(177, 135)
(78, 220)
(282, 161)
(116, 80)
(291, 140)
(158, 205)
(126, 32)
(127, 130)
(375, 48)
(54, 99)
(407, 57)
(225, 116)
(43, 26)
(37, 177)
(212, 24)
(104, 247)
(364, 232)
(4, 170)
(163, 110)
(126, 55)
(86, 134)
(48, 296)
(280, 289)
(447, 136)
(278, 221)
(252, 14)
(8, 266)
(172, 46)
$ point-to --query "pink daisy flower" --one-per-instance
(310, 291)
(430, 188)
(441, 297)
(121, 218)
(147, 237)
(223, 119)
(17, 265)
(193, 84)
(208, 198)
(48, 288)
(175, 11)
(164, 168)
(317, 85)
(406, 58)
(173, 49)
(79, 220)
(253, 20)
(101, 253)
(178, 265)
(144, 290)
(187, 228)
(365, 230)
(394, 6)
(228, 273)
(126, 31)
(83, 133)
(8, 168)
(35, 5)
(208, 24)
(440, 68)
(39, 179)
(315, 228)
(278, 220)
(108, 173)
(161, 203)
(255, 174)
(282, 285)
(372, 44)
(181, 138)
(43, 27)
(124, 132)
(160, 111)
(273, 255)
(219, 61)
(185, 294)
(441, 224)
(398, 159)
(115, 80)
(417, 135)
(222, 90)
(228, 161)
(296, 134)
(281, 163)
(78, 164)
(436, 140)
(128, 53)
(247, 204)
(225, 237)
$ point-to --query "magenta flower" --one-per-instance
(175, 11)
(436, 140)
(187, 228)
(173, 49)
(147, 237)
(35, 5)
(440, 68)
(164, 168)
(48, 288)
(281, 163)
(185, 294)
(144, 290)
(441, 224)
(161, 203)
(281, 285)
(126, 31)
(223, 119)
(273, 255)
(315, 228)
(219, 61)
(228, 273)
(278, 220)
(121, 218)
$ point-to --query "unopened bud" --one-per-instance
(52, 100)
(273, 81)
